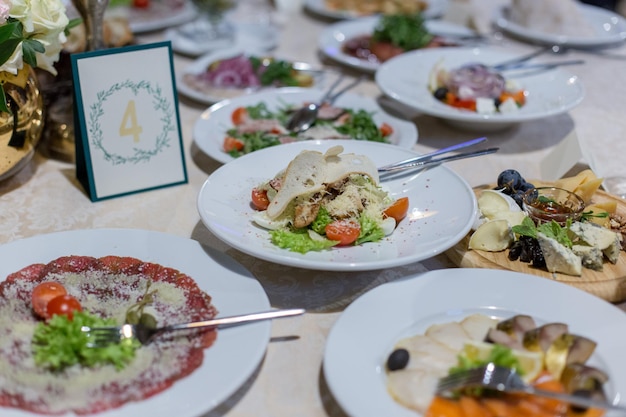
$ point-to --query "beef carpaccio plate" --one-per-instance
(105, 286)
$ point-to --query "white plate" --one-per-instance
(160, 15)
(214, 95)
(331, 40)
(609, 28)
(405, 79)
(248, 36)
(227, 363)
(442, 207)
(364, 335)
(210, 128)
(436, 8)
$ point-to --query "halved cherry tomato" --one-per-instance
(398, 209)
(43, 293)
(141, 4)
(239, 115)
(232, 144)
(63, 305)
(259, 199)
(345, 231)
(385, 129)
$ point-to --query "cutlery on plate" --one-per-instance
(504, 379)
(103, 336)
(435, 161)
(520, 59)
(543, 65)
(429, 155)
(304, 117)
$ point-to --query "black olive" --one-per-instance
(398, 359)
(440, 93)
(497, 102)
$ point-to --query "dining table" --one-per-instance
(46, 197)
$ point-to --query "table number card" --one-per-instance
(128, 135)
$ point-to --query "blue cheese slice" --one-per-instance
(558, 257)
(591, 256)
(604, 239)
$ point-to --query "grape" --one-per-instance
(510, 180)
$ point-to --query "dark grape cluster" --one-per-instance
(512, 183)
(527, 249)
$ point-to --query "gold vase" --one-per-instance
(21, 129)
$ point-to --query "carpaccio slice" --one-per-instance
(105, 286)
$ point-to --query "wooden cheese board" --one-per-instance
(609, 284)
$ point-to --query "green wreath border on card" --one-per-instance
(160, 103)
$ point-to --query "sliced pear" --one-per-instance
(492, 236)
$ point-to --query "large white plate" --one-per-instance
(160, 15)
(609, 28)
(227, 363)
(364, 335)
(332, 39)
(405, 79)
(210, 128)
(211, 96)
(442, 207)
(436, 8)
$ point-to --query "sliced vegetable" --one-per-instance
(259, 199)
(398, 210)
(344, 231)
(63, 305)
(239, 115)
(43, 293)
(232, 144)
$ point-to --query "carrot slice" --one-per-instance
(472, 407)
(443, 407)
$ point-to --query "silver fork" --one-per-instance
(507, 380)
(103, 336)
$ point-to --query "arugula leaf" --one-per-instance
(361, 126)
(60, 343)
(406, 31)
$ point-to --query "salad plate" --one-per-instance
(211, 127)
(442, 208)
(209, 94)
(332, 39)
(353, 358)
(160, 14)
(232, 288)
(405, 78)
(608, 29)
(436, 8)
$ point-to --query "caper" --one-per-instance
(398, 359)
(440, 93)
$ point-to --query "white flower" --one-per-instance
(4, 11)
(48, 16)
(14, 63)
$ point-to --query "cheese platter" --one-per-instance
(608, 281)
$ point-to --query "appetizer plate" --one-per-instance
(210, 95)
(442, 208)
(435, 8)
(355, 355)
(159, 15)
(609, 29)
(233, 289)
(332, 39)
(405, 78)
(210, 129)
(609, 284)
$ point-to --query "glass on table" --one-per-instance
(210, 27)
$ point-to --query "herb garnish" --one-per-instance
(406, 31)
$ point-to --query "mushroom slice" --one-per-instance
(566, 349)
(502, 338)
(541, 338)
(517, 325)
(581, 377)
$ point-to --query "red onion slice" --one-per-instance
(474, 81)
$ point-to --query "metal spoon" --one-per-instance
(303, 118)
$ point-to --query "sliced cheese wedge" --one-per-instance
(492, 236)
(558, 257)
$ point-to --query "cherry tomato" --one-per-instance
(141, 4)
(259, 199)
(345, 231)
(398, 209)
(43, 293)
(63, 305)
(385, 129)
(239, 115)
(232, 144)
